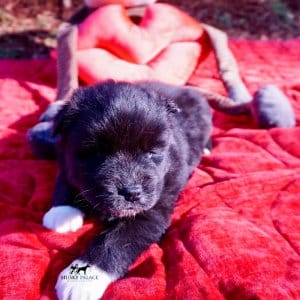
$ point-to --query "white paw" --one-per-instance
(75, 284)
(63, 218)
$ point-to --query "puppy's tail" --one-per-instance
(224, 104)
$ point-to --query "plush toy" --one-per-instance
(139, 40)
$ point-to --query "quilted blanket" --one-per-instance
(235, 232)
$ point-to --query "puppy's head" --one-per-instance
(115, 139)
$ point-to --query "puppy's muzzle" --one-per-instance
(131, 193)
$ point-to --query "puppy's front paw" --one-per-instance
(81, 281)
(63, 218)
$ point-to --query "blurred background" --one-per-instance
(28, 28)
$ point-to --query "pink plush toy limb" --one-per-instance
(160, 26)
(67, 70)
(227, 65)
(269, 106)
(111, 66)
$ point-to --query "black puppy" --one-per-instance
(128, 149)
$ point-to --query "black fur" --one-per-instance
(145, 138)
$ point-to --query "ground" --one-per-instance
(28, 28)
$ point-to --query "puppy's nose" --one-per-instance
(131, 193)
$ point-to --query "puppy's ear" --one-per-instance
(59, 120)
(172, 106)
(161, 91)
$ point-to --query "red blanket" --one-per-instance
(235, 232)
